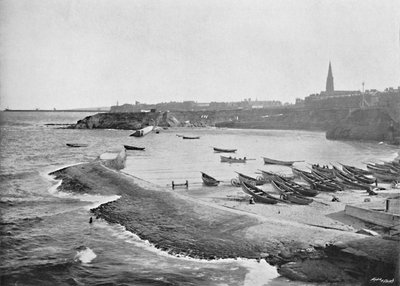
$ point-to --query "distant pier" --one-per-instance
(55, 110)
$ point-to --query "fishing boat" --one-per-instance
(290, 195)
(355, 170)
(380, 168)
(359, 177)
(386, 177)
(258, 194)
(191, 137)
(324, 175)
(268, 176)
(208, 180)
(221, 150)
(349, 180)
(250, 180)
(129, 147)
(76, 145)
(324, 185)
(295, 187)
(322, 169)
(233, 159)
(142, 132)
(270, 161)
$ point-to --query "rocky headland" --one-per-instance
(183, 224)
(367, 124)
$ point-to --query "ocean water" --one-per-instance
(45, 235)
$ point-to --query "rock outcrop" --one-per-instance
(368, 124)
(126, 121)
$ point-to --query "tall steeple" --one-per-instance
(329, 80)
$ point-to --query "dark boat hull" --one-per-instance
(128, 147)
(258, 195)
(270, 161)
(290, 196)
(208, 180)
(220, 150)
(76, 145)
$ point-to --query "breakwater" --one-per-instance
(178, 224)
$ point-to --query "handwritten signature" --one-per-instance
(381, 280)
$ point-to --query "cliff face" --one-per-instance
(369, 124)
(289, 118)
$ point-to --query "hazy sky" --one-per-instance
(90, 53)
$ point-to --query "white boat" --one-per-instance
(142, 132)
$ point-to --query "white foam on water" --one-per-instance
(85, 256)
(259, 272)
(95, 200)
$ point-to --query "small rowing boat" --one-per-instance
(278, 162)
(290, 196)
(355, 170)
(221, 150)
(129, 147)
(291, 186)
(250, 180)
(268, 176)
(76, 145)
(233, 159)
(191, 137)
(208, 180)
(258, 194)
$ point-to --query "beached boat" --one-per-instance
(355, 170)
(129, 147)
(142, 132)
(233, 159)
(324, 185)
(208, 180)
(258, 194)
(76, 145)
(359, 177)
(322, 169)
(191, 137)
(290, 185)
(268, 176)
(250, 180)
(380, 168)
(386, 177)
(290, 196)
(221, 150)
(351, 181)
(278, 162)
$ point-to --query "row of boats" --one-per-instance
(318, 179)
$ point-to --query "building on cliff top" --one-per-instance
(338, 99)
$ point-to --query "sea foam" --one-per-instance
(85, 256)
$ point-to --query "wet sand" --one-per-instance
(306, 242)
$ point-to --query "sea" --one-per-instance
(46, 238)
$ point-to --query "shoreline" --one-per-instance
(206, 223)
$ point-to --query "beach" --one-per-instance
(306, 243)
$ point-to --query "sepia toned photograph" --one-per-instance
(208, 142)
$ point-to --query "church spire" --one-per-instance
(329, 80)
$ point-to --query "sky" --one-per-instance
(94, 53)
